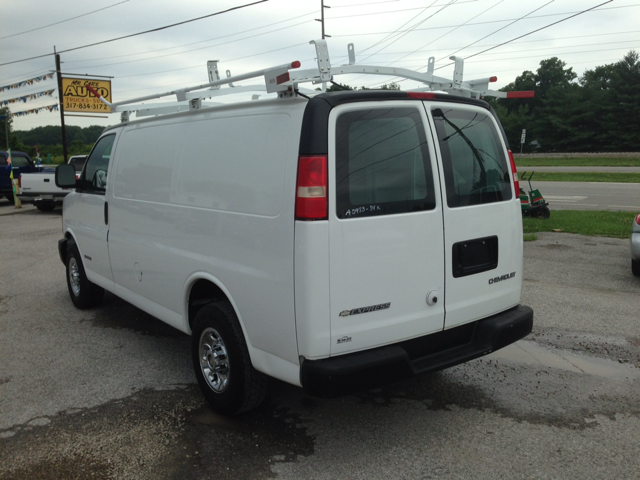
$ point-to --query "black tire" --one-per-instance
(635, 267)
(83, 293)
(45, 206)
(221, 361)
(545, 212)
(11, 199)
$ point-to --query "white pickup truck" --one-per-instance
(40, 188)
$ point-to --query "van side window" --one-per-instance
(94, 179)
(382, 163)
(475, 168)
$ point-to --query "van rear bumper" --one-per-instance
(357, 371)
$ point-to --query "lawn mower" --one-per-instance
(534, 204)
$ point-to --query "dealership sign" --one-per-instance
(77, 97)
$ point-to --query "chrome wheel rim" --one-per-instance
(214, 361)
(74, 276)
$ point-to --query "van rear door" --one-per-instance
(482, 219)
(385, 226)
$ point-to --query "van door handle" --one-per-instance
(106, 213)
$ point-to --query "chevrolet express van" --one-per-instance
(332, 242)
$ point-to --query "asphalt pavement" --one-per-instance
(110, 393)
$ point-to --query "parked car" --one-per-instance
(332, 240)
(41, 189)
(635, 246)
(78, 162)
(20, 163)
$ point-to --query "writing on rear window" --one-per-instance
(362, 210)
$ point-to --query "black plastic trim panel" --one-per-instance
(62, 249)
(370, 368)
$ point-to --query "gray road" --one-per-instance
(579, 169)
(109, 393)
(589, 196)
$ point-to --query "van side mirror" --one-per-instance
(66, 176)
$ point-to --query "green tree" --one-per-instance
(6, 125)
(390, 86)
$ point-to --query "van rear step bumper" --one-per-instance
(370, 368)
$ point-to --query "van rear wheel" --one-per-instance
(221, 361)
(83, 293)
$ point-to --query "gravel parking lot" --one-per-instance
(109, 393)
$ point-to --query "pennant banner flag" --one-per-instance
(26, 98)
(50, 108)
(25, 83)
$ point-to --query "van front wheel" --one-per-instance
(83, 293)
(221, 361)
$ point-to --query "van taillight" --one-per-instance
(516, 183)
(311, 189)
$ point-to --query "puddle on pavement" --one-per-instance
(531, 353)
(156, 434)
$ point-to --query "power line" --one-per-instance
(532, 32)
(555, 54)
(526, 41)
(63, 21)
(496, 31)
(365, 4)
(480, 23)
(520, 36)
(227, 60)
(395, 11)
(398, 37)
(395, 32)
(139, 33)
(194, 49)
(208, 40)
(450, 31)
(546, 49)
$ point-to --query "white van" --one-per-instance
(332, 242)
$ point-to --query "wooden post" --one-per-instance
(61, 100)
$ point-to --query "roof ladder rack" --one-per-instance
(285, 79)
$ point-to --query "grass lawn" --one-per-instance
(593, 223)
(578, 162)
(582, 177)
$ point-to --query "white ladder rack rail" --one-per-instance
(275, 81)
(473, 88)
(284, 80)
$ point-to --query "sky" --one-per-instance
(499, 38)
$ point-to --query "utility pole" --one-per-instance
(61, 100)
(321, 19)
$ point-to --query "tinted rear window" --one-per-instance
(475, 167)
(18, 160)
(382, 163)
